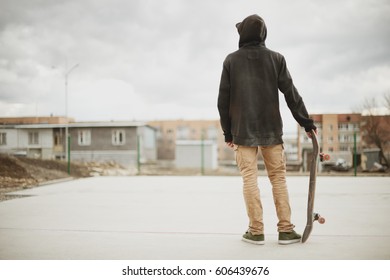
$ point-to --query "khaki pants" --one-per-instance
(275, 164)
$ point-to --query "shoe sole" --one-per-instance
(253, 241)
(287, 242)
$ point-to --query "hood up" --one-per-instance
(252, 30)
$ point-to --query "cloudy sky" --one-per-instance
(162, 59)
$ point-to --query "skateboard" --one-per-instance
(311, 216)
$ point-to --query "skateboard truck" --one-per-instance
(317, 217)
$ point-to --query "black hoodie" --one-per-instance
(248, 100)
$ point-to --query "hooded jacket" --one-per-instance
(248, 100)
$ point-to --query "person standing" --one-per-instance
(248, 105)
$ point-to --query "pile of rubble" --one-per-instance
(110, 168)
(20, 172)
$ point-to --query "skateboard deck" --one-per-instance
(311, 216)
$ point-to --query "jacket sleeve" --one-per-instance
(224, 102)
(293, 99)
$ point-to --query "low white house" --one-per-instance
(31, 140)
(126, 143)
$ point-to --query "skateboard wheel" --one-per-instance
(326, 157)
(321, 220)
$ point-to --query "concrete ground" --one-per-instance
(190, 218)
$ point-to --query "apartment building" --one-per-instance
(337, 134)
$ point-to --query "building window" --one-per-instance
(183, 133)
(33, 138)
(343, 138)
(3, 138)
(84, 137)
(344, 148)
(169, 133)
(58, 139)
(343, 126)
(212, 132)
(118, 137)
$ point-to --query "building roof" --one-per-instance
(352, 117)
(108, 124)
(77, 125)
(35, 120)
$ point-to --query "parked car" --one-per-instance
(341, 165)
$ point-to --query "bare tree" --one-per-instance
(376, 128)
(387, 100)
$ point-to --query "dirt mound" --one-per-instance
(9, 167)
(52, 169)
(17, 173)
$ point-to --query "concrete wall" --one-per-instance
(102, 147)
(124, 158)
(189, 154)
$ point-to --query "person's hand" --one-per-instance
(309, 133)
(230, 144)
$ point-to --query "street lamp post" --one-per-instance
(354, 154)
(67, 136)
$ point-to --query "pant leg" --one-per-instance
(246, 158)
(275, 164)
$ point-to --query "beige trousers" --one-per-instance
(275, 165)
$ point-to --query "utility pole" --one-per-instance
(354, 154)
(139, 154)
(202, 148)
(67, 136)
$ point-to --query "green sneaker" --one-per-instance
(286, 238)
(254, 239)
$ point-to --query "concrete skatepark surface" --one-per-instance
(190, 218)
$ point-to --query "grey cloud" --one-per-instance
(171, 51)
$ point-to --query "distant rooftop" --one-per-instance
(58, 122)
(36, 120)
